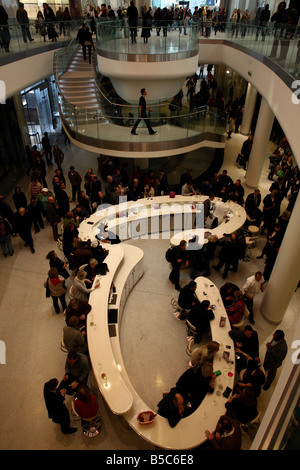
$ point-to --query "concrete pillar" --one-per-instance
(248, 110)
(286, 272)
(260, 144)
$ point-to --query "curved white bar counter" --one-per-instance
(125, 265)
(147, 218)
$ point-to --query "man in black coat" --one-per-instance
(246, 150)
(62, 199)
(229, 255)
(246, 346)
(200, 316)
(55, 404)
(187, 298)
(173, 407)
(180, 256)
(253, 201)
(22, 227)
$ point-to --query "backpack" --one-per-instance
(170, 253)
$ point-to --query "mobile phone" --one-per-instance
(227, 392)
(90, 223)
(213, 306)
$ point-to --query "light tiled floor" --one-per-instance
(32, 332)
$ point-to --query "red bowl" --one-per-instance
(146, 417)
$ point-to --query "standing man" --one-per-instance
(23, 21)
(132, 15)
(275, 354)
(53, 216)
(162, 182)
(143, 114)
(75, 180)
(47, 148)
(180, 256)
(251, 288)
(22, 227)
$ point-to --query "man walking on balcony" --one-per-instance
(23, 20)
(143, 114)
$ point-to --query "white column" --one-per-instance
(260, 144)
(248, 110)
(286, 272)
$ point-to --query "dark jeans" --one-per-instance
(27, 237)
(38, 223)
(62, 301)
(76, 190)
(84, 48)
(175, 275)
(48, 155)
(249, 305)
(148, 124)
(25, 32)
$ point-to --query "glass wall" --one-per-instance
(40, 110)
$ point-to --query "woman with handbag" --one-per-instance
(55, 288)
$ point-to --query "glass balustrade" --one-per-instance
(279, 42)
(36, 34)
(170, 125)
(119, 38)
(114, 118)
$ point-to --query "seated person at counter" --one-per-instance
(173, 407)
(235, 312)
(79, 309)
(107, 236)
(194, 385)
(227, 293)
(242, 406)
(246, 346)
(253, 378)
(76, 372)
(85, 404)
(82, 253)
(99, 253)
(204, 355)
(94, 268)
(200, 316)
(80, 213)
(187, 298)
(187, 189)
(226, 436)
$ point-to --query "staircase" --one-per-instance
(78, 83)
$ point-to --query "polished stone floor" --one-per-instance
(153, 341)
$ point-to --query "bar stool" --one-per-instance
(90, 426)
(178, 311)
(253, 231)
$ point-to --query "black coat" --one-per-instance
(22, 223)
(56, 408)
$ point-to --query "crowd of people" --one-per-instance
(252, 375)
(42, 206)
